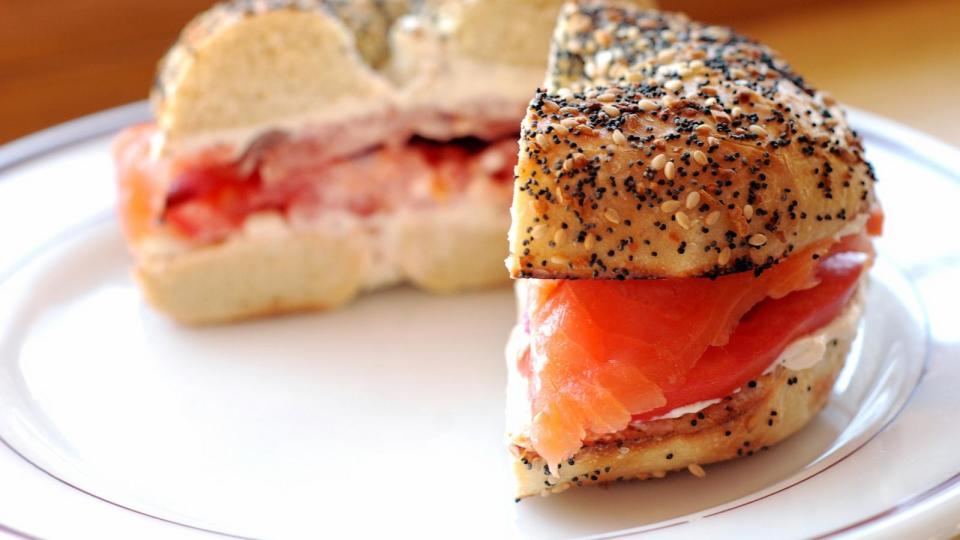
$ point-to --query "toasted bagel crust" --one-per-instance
(666, 148)
(750, 420)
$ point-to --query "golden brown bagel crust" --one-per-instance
(751, 420)
(666, 148)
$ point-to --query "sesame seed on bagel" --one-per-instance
(714, 156)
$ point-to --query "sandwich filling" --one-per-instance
(596, 355)
(204, 197)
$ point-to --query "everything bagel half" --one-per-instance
(691, 234)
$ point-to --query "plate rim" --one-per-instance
(84, 128)
(905, 140)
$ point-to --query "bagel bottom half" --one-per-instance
(440, 250)
(761, 414)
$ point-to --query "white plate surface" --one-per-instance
(386, 416)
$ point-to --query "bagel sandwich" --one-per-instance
(690, 239)
(304, 151)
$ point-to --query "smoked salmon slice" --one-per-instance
(603, 353)
(208, 195)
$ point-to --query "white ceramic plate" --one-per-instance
(386, 417)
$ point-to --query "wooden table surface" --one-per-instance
(60, 60)
(900, 59)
